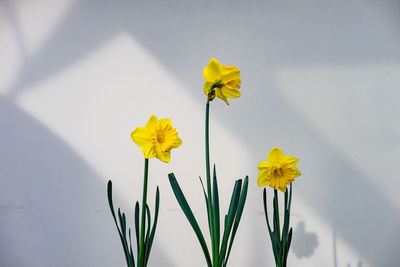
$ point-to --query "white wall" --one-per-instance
(320, 79)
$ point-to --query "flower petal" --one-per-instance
(296, 172)
(213, 71)
(276, 155)
(291, 160)
(165, 123)
(264, 165)
(282, 188)
(230, 92)
(140, 136)
(152, 122)
(263, 179)
(164, 156)
(178, 143)
(219, 94)
(227, 69)
(235, 83)
(149, 151)
(230, 76)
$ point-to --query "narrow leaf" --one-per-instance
(180, 197)
(132, 258)
(111, 204)
(266, 212)
(153, 230)
(216, 210)
(137, 211)
(230, 216)
(238, 216)
(206, 199)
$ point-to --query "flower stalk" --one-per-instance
(225, 83)
(280, 242)
(144, 204)
(279, 172)
(157, 139)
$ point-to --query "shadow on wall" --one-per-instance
(53, 207)
(260, 39)
(304, 243)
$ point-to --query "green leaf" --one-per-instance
(145, 243)
(137, 211)
(266, 212)
(289, 240)
(216, 212)
(180, 197)
(285, 229)
(275, 248)
(277, 225)
(132, 259)
(238, 216)
(229, 219)
(290, 198)
(208, 208)
(153, 230)
(122, 221)
(123, 240)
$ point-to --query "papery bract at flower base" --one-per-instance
(226, 80)
(279, 171)
(157, 138)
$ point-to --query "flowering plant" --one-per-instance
(157, 139)
(278, 172)
(223, 82)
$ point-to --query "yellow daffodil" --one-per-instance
(224, 81)
(279, 171)
(157, 138)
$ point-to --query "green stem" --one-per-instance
(277, 215)
(210, 208)
(144, 204)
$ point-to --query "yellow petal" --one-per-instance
(230, 92)
(282, 188)
(233, 75)
(220, 95)
(276, 155)
(291, 160)
(165, 123)
(227, 69)
(140, 136)
(149, 151)
(296, 172)
(213, 71)
(164, 156)
(264, 165)
(235, 83)
(152, 122)
(178, 143)
(263, 179)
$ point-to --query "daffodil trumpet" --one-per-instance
(221, 243)
(157, 138)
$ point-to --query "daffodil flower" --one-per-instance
(221, 81)
(157, 138)
(279, 171)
